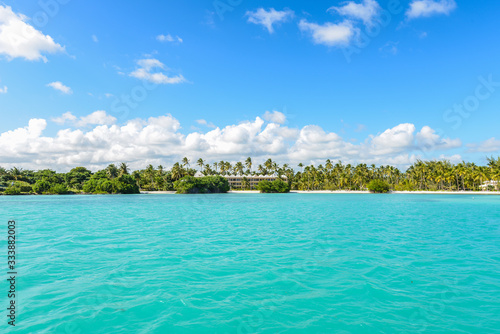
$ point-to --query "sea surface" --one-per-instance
(252, 263)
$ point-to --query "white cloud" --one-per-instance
(99, 117)
(3, 90)
(367, 11)
(426, 8)
(67, 116)
(268, 18)
(330, 34)
(428, 139)
(18, 39)
(275, 117)
(146, 72)
(57, 85)
(95, 39)
(158, 140)
(395, 140)
(205, 123)
(169, 38)
(454, 159)
(491, 145)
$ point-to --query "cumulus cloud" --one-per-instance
(395, 140)
(428, 139)
(95, 39)
(269, 18)
(275, 117)
(330, 34)
(366, 11)
(149, 69)
(66, 117)
(159, 140)
(491, 145)
(99, 117)
(58, 85)
(18, 39)
(3, 90)
(426, 8)
(205, 123)
(169, 38)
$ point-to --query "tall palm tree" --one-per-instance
(177, 172)
(123, 170)
(185, 162)
(112, 171)
(16, 173)
(200, 163)
(248, 163)
(238, 168)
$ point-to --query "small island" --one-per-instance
(269, 177)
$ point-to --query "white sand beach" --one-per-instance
(470, 193)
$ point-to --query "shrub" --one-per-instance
(58, 189)
(378, 186)
(106, 186)
(12, 190)
(24, 187)
(277, 186)
(126, 184)
(100, 184)
(202, 185)
(41, 186)
(90, 186)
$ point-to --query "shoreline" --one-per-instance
(300, 192)
(347, 192)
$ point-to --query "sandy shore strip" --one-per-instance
(470, 193)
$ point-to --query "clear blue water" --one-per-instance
(255, 264)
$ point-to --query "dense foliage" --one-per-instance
(379, 186)
(202, 185)
(422, 175)
(79, 180)
(276, 186)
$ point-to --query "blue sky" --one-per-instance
(215, 65)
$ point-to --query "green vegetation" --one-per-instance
(79, 180)
(202, 185)
(379, 186)
(276, 186)
(421, 176)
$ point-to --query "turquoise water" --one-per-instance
(255, 264)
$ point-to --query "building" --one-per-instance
(236, 181)
(488, 184)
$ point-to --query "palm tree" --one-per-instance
(228, 167)
(16, 173)
(112, 171)
(160, 170)
(269, 165)
(200, 163)
(185, 162)
(238, 168)
(207, 170)
(248, 163)
(245, 184)
(177, 172)
(149, 174)
(301, 165)
(123, 170)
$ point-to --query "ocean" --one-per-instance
(253, 263)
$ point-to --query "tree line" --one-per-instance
(421, 176)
